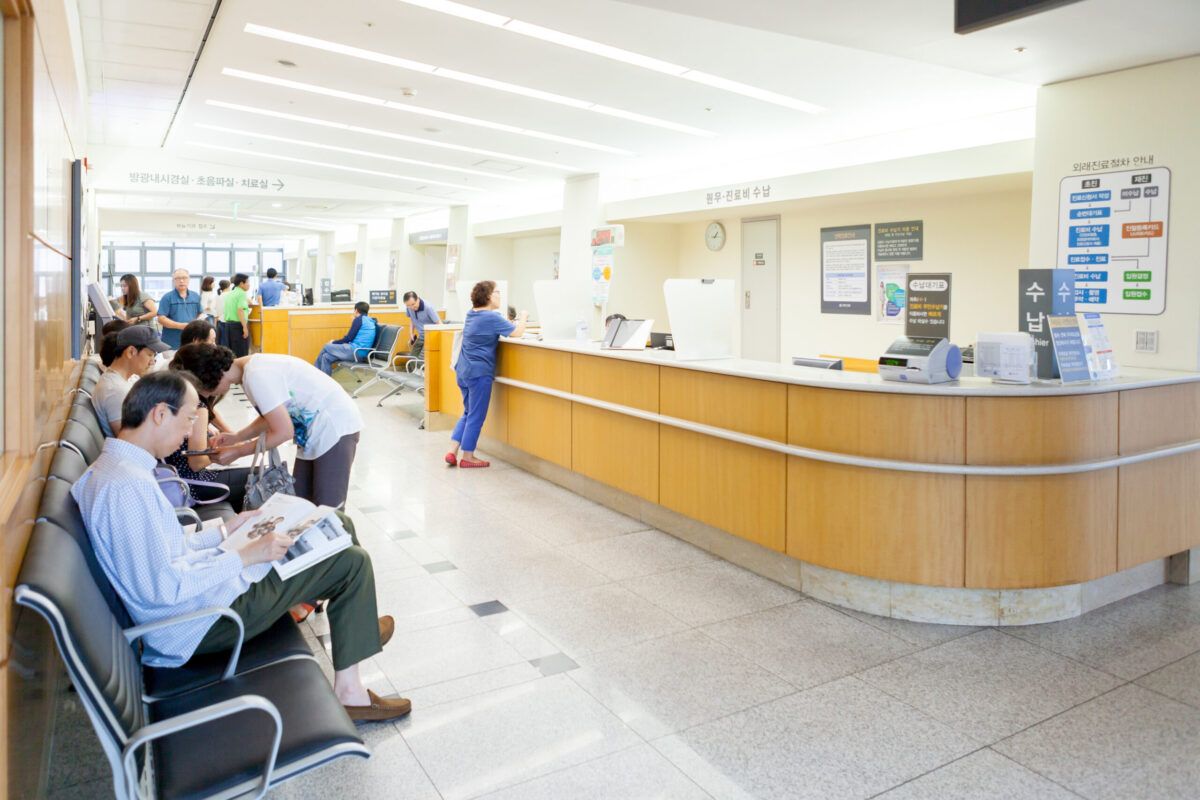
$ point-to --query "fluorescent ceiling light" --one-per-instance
(389, 135)
(615, 53)
(425, 112)
(466, 77)
(352, 151)
(277, 157)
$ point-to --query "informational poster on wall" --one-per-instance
(603, 242)
(453, 255)
(899, 241)
(927, 306)
(1113, 231)
(846, 270)
(393, 266)
(890, 280)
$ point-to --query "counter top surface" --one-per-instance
(1131, 378)
(329, 308)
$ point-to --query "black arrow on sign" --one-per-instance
(278, 184)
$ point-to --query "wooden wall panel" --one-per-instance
(615, 381)
(757, 408)
(896, 526)
(1159, 416)
(904, 427)
(615, 449)
(540, 425)
(1035, 531)
(731, 486)
(1041, 430)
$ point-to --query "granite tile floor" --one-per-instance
(556, 649)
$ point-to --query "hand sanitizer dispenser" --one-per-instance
(920, 361)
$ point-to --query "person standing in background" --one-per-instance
(177, 308)
(476, 369)
(208, 300)
(235, 319)
(419, 315)
(135, 306)
(270, 289)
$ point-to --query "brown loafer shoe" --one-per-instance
(387, 626)
(381, 708)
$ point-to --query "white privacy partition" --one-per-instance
(464, 299)
(562, 305)
(701, 313)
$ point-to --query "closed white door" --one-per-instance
(760, 289)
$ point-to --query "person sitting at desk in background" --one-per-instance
(130, 353)
(197, 467)
(235, 319)
(160, 570)
(133, 305)
(476, 369)
(419, 315)
(177, 308)
(512, 313)
(355, 345)
(270, 289)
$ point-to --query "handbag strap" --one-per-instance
(260, 463)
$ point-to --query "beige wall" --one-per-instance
(532, 260)
(650, 256)
(1149, 110)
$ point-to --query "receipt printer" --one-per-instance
(920, 361)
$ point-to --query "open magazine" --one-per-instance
(316, 532)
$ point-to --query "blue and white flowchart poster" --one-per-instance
(1112, 230)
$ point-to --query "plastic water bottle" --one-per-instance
(581, 331)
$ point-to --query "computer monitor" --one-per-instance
(308, 297)
(339, 296)
(817, 363)
(661, 341)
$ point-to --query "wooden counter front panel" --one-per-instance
(903, 427)
(615, 449)
(549, 368)
(539, 424)
(734, 487)
(1041, 430)
(495, 426)
(1046, 530)
(622, 382)
(1159, 500)
(895, 526)
(745, 405)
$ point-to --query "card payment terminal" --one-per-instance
(920, 361)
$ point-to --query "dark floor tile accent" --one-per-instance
(439, 566)
(553, 665)
(489, 608)
(398, 535)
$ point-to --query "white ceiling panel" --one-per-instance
(167, 13)
(142, 35)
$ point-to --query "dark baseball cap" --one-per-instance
(140, 336)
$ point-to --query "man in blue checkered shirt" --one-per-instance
(160, 570)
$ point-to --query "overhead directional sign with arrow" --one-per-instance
(1112, 230)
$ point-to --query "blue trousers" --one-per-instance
(334, 352)
(476, 393)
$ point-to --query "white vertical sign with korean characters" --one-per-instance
(1113, 231)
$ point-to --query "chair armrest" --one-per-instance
(138, 631)
(201, 716)
(189, 514)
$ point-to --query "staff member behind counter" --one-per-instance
(476, 369)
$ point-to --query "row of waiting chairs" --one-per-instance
(380, 363)
(224, 725)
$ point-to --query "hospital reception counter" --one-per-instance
(302, 331)
(966, 502)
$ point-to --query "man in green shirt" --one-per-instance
(236, 316)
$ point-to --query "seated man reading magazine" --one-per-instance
(160, 570)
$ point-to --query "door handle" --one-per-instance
(747, 299)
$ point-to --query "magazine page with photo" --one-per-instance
(316, 531)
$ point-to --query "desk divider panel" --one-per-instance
(1159, 505)
(887, 524)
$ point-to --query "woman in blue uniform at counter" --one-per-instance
(476, 369)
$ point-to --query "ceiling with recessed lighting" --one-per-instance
(411, 104)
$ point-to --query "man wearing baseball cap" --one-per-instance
(136, 347)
